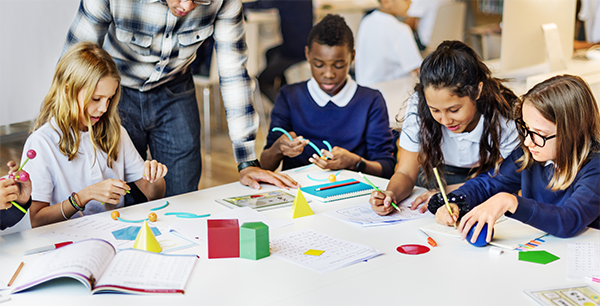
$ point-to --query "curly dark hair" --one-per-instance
(455, 66)
(331, 31)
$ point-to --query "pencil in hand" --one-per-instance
(437, 177)
(375, 187)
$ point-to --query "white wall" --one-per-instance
(32, 34)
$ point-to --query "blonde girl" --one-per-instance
(84, 156)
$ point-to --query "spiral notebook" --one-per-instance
(338, 193)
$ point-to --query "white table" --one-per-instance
(454, 273)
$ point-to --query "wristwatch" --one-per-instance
(246, 164)
(361, 165)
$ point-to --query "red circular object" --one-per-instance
(412, 249)
(31, 154)
(24, 176)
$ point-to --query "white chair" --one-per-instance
(449, 25)
(297, 73)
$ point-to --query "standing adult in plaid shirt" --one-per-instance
(153, 43)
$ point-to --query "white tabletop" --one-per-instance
(454, 273)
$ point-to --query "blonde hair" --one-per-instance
(82, 67)
(568, 102)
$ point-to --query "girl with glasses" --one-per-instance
(557, 167)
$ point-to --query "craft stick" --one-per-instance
(12, 280)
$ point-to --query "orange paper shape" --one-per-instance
(146, 240)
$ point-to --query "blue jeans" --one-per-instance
(166, 120)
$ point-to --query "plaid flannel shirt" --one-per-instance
(151, 46)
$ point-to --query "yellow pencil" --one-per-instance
(437, 177)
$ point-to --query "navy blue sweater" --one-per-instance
(361, 127)
(562, 213)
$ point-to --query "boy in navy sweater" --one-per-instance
(557, 167)
(331, 107)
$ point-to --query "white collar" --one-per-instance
(473, 136)
(341, 99)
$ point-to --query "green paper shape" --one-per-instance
(254, 240)
(541, 257)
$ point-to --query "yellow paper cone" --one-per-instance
(300, 208)
(146, 241)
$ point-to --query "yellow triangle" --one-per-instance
(146, 241)
(300, 207)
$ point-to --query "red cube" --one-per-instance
(223, 238)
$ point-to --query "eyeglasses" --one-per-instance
(200, 2)
(536, 138)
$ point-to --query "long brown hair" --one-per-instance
(568, 102)
(456, 66)
(82, 67)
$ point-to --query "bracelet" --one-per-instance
(63, 211)
(74, 203)
(246, 164)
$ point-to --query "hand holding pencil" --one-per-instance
(381, 202)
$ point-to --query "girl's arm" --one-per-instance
(401, 184)
(152, 184)
(41, 213)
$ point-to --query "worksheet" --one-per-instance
(364, 215)
(319, 252)
(583, 261)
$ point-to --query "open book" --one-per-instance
(97, 265)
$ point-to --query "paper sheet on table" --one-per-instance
(337, 253)
(583, 260)
(364, 215)
(98, 227)
(508, 233)
(195, 229)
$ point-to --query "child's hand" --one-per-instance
(108, 191)
(423, 199)
(154, 170)
(338, 158)
(13, 189)
(443, 217)
(381, 203)
(487, 212)
(291, 148)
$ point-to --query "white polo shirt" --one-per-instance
(460, 150)
(54, 177)
(385, 49)
(341, 99)
(426, 11)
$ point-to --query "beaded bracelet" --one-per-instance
(74, 203)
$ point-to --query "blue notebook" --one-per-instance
(338, 193)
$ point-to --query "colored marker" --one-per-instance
(593, 279)
(47, 248)
(429, 239)
(375, 187)
(338, 185)
(437, 177)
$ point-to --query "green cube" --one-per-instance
(254, 240)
